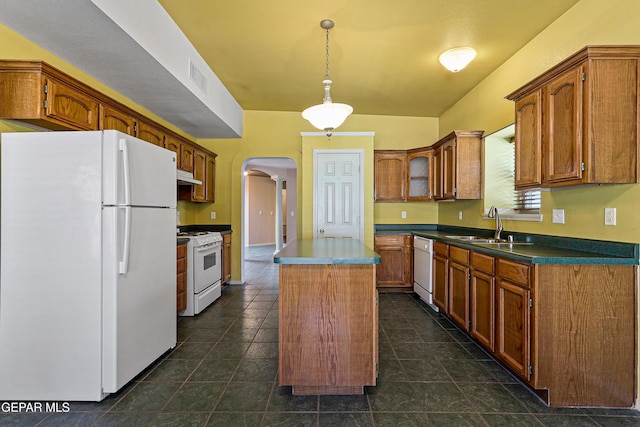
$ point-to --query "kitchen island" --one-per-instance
(328, 316)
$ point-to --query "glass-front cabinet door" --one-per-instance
(420, 174)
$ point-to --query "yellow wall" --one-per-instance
(277, 134)
(588, 22)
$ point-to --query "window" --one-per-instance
(499, 179)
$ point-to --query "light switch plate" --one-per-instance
(558, 216)
(404, 214)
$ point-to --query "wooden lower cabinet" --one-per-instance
(396, 256)
(513, 327)
(181, 277)
(482, 297)
(226, 258)
(568, 331)
(459, 276)
(584, 337)
(441, 275)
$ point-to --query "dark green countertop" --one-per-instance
(326, 251)
(220, 228)
(544, 250)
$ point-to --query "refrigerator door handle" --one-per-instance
(125, 170)
(123, 265)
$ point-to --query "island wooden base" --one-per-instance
(328, 328)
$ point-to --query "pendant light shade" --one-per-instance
(457, 58)
(328, 115)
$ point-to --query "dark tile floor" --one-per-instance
(223, 372)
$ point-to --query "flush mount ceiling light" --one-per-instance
(457, 58)
(328, 115)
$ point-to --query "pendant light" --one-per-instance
(328, 115)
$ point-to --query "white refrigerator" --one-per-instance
(87, 262)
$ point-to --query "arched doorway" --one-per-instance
(269, 207)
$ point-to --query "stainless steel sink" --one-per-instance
(504, 243)
(470, 238)
(485, 240)
(475, 239)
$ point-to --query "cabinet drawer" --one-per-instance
(514, 272)
(441, 248)
(181, 251)
(389, 240)
(482, 262)
(459, 255)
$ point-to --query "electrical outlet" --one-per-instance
(213, 215)
(557, 216)
(460, 215)
(404, 214)
(609, 216)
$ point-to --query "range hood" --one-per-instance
(186, 178)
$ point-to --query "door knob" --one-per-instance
(321, 231)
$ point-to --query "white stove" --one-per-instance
(204, 270)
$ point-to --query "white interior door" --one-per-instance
(338, 194)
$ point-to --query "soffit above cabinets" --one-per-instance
(135, 48)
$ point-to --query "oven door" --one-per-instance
(207, 266)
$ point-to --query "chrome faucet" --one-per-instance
(493, 213)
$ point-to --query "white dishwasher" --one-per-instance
(422, 269)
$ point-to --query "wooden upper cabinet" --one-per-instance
(113, 118)
(174, 144)
(589, 119)
(528, 138)
(67, 104)
(562, 133)
(38, 94)
(449, 169)
(198, 193)
(150, 133)
(204, 169)
(437, 174)
(187, 153)
(458, 159)
(390, 168)
(420, 174)
(210, 179)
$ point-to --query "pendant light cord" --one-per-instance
(326, 75)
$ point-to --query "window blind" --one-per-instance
(527, 201)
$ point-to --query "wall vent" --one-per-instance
(197, 77)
